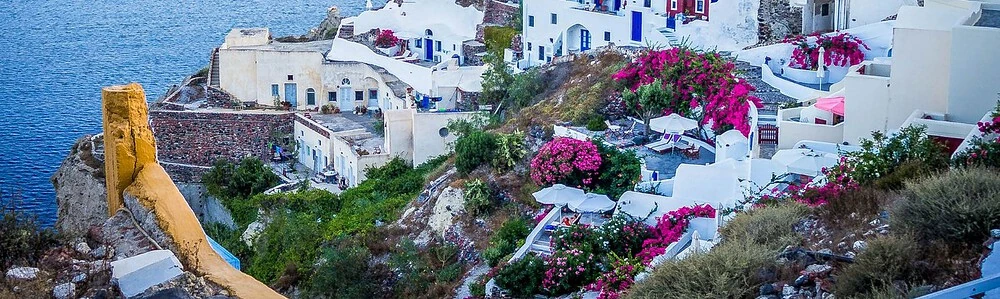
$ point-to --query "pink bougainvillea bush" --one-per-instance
(621, 275)
(669, 229)
(838, 182)
(569, 270)
(566, 160)
(386, 39)
(841, 50)
(985, 149)
(697, 79)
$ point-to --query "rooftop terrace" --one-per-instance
(990, 18)
(363, 140)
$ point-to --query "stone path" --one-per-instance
(769, 96)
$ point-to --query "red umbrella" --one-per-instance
(833, 104)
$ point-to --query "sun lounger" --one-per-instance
(668, 142)
(406, 54)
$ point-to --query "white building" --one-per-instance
(253, 68)
(942, 74)
(432, 30)
(831, 15)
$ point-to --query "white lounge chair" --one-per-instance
(611, 126)
(406, 54)
(668, 142)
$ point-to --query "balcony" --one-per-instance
(807, 123)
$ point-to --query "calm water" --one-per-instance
(56, 55)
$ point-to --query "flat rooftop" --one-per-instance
(990, 18)
(320, 46)
(366, 140)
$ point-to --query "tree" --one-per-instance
(649, 101)
(496, 79)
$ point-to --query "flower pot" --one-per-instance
(836, 73)
(389, 51)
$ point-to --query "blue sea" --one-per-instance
(56, 55)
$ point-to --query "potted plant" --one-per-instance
(386, 41)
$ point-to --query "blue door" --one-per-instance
(428, 49)
(671, 23)
(636, 26)
(618, 4)
(584, 39)
(290, 93)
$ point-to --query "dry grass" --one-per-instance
(772, 227)
(731, 270)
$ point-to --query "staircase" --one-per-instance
(670, 35)
(213, 65)
(771, 97)
(542, 246)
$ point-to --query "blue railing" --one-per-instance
(968, 289)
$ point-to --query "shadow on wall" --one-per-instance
(133, 173)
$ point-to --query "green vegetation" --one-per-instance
(649, 101)
(510, 151)
(597, 124)
(498, 38)
(249, 177)
(473, 150)
(522, 278)
(770, 226)
(959, 207)
(22, 241)
(620, 170)
(507, 239)
(333, 280)
(883, 155)
(886, 260)
(479, 199)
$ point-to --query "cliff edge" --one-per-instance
(79, 185)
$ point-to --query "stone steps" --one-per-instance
(214, 71)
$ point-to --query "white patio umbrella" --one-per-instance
(672, 123)
(592, 202)
(805, 161)
(558, 194)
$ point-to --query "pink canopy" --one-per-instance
(832, 104)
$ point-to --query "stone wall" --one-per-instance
(776, 20)
(499, 13)
(201, 138)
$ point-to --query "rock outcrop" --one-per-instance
(329, 27)
(80, 192)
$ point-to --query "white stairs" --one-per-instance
(670, 35)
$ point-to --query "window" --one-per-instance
(310, 96)
(541, 53)
(607, 36)
(331, 96)
(437, 45)
(443, 132)
(320, 142)
(647, 3)
(454, 47)
(373, 94)
(345, 81)
(554, 18)
(531, 21)
(673, 4)
(699, 6)
(419, 44)
(584, 40)
(274, 90)
(825, 10)
(428, 32)
(529, 46)
(359, 95)
(290, 78)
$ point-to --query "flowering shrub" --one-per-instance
(838, 182)
(623, 235)
(985, 150)
(521, 278)
(386, 39)
(614, 283)
(882, 155)
(841, 50)
(568, 270)
(581, 237)
(566, 160)
(669, 229)
(696, 80)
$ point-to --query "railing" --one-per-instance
(556, 212)
(968, 289)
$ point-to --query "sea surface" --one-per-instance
(56, 55)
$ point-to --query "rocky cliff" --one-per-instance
(80, 191)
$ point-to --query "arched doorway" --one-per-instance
(428, 45)
(346, 101)
(310, 97)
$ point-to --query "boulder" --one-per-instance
(63, 291)
(22, 273)
(82, 248)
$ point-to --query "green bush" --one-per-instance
(887, 260)
(22, 240)
(345, 272)
(525, 87)
(620, 170)
(770, 226)
(881, 155)
(522, 278)
(730, 270)
(596, 124)
(507, 239)
(249, 177)
(510, 150)
(290, 241)
(498, 38)
(475, 149)
(425, 273)
(907, 171)
(958, 207)
(478, 197)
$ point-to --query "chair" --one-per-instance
(406, 54)
(611, 126)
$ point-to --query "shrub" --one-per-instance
(669, 228)
(524, 88)
(887, 260)
(770, 226)
(568, 270)
(578, 237)
(478, 197)
(618, 279)
(249, 177)
(22, 241)
(624, 235)
(498, 38)
(566, 160)
(386, 39)
(596, 124)
(345, 272)
(883, 154)
(473, 150)
(841, 50)
(620, 170)
(522, 278)
(730, 270)
(289, 241)
(510, 150)
(958, 207)
(985, 149)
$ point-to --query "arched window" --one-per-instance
(310, 96)
(428, 32)
(345, 82)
